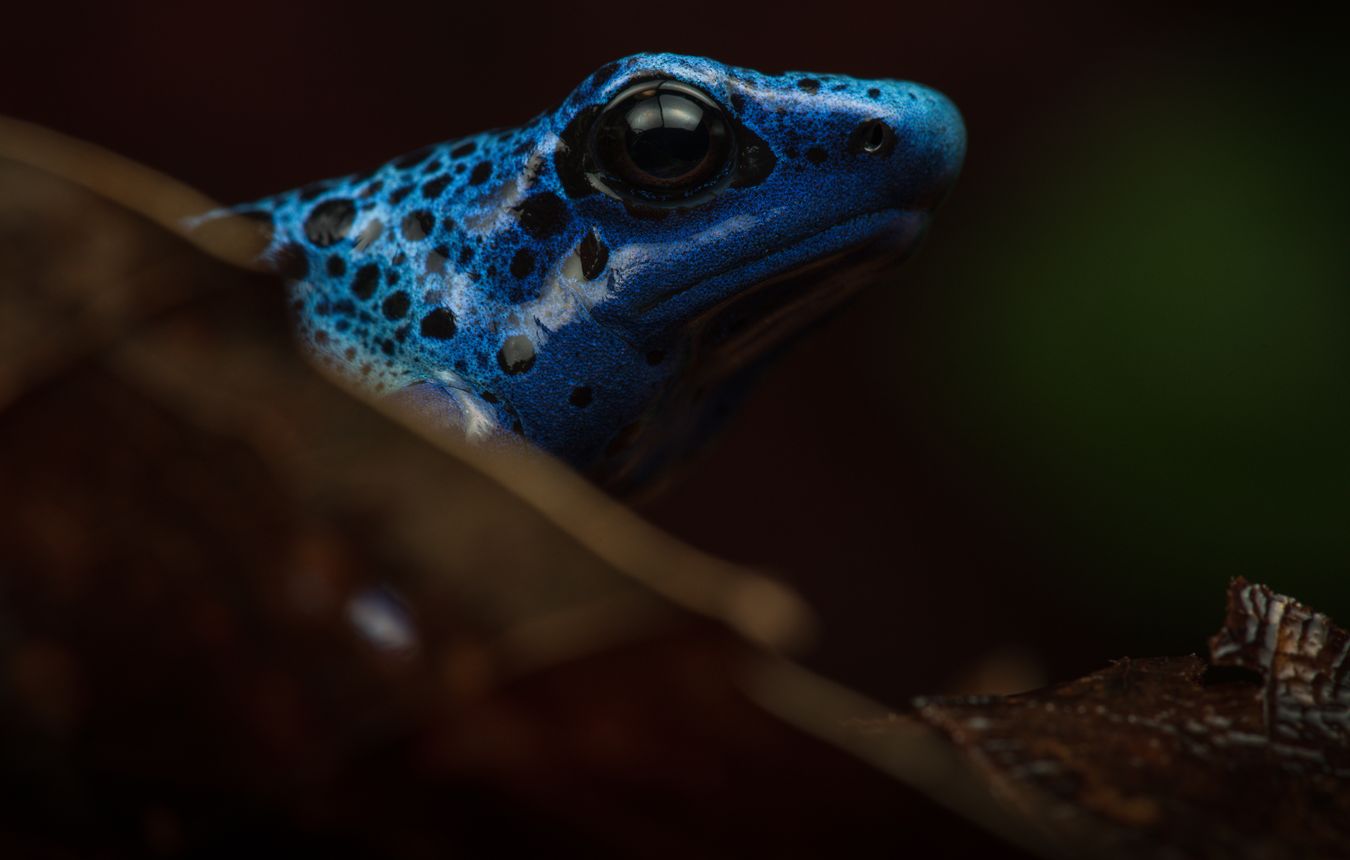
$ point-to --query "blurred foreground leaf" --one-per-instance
(242, 610)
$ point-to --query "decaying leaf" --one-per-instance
(1174, 757)
(1305, 661)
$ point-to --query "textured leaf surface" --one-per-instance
(1243, 757)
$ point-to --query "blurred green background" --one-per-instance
(1147, 340)
(1112, 379)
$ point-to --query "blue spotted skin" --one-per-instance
(489, 283)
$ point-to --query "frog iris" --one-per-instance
(662, 142)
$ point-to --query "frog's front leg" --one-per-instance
(450, 412)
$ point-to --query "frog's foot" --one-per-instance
(451, 413)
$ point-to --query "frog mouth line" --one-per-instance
(893, 221)
(733, 335)
(736, 332)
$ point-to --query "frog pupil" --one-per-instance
(667, 135)
(663, 140)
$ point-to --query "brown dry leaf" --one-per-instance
(1172, 757)
(1305, 661)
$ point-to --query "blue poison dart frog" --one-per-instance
(603, 278)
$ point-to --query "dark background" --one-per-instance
(1113, 378)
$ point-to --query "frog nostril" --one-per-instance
(872, 137)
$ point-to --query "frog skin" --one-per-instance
(592, 279)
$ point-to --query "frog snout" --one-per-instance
(922, 140)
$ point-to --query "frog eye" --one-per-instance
(661, 141)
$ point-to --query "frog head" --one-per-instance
(593, 278)
(717, 210)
